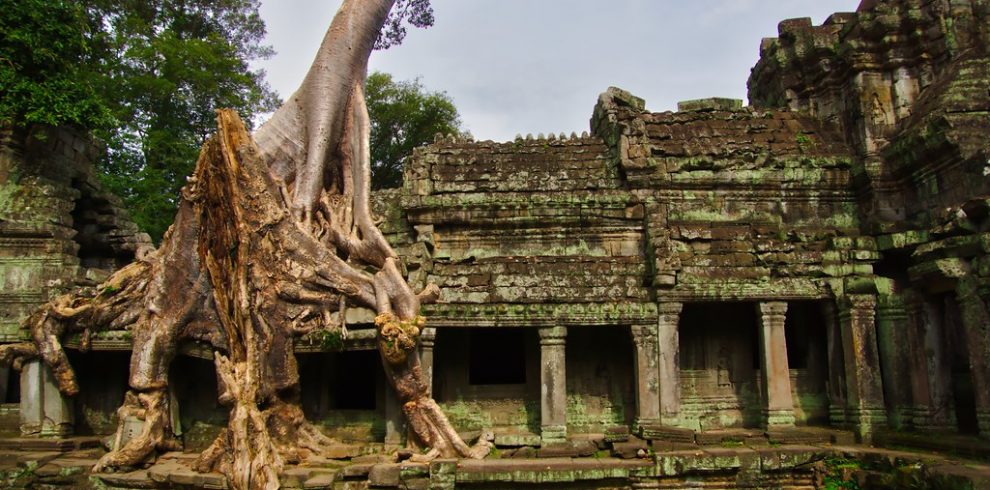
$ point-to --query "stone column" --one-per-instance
(427, 339)
(647, 377)
(4, 382)
(395, 421)
(892, 342)
(668, 343)
(44, 411)
(864, 387)
(930, 373)
(778, 402)
(553, 386)
(836, 367)
(921, 411)
(976, 323)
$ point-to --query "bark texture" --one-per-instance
(273, 234)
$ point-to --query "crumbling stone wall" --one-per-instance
(715, 267)
(907, 81)
(58, 230)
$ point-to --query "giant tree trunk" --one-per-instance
(270, 239)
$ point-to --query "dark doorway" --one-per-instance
(496, 357)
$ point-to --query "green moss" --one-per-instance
(804, 142)
(838, 474)
(330, 340)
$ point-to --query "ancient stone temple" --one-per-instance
(810, 269)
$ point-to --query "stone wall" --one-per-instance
(714, 203)
(907, 82)
(819, 258)
(58, 229)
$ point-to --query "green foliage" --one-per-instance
(804, 142)
(404, 115)
(175, 62)
(144, 75)
(49, 65)
(330, 340)
(837, 474)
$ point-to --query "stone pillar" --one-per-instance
(976, 323)
(836, 386)
(553, 386)
(427, 339)
(44, 411)
(921, 410)
(864, 387)
(647, 377)
(668, 343)
(395, 421)
(4, 382)
(892, 342)
(778, 402)
(930, 373)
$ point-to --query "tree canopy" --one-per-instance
(144, 75)
(50, 65)
(172, 65)
(404, 115)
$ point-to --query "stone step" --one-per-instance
(59, 445)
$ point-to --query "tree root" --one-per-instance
(15, 355)
(430, 424)
(258, 442)
(152, 408)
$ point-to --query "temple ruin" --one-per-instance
(810, 270)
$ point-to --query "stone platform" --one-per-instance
(725, 466)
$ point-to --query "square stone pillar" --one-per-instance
(553, 384)
(892, 342)
(4, 382)
(836, 386)
(921, 407)
(668, 342)
(778, 402)
(976, 323)
(647, 377)
(930, 372)
(864, 386)
(427, 339)
(395, 420)
(44, 411)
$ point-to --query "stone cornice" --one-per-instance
(539, 315)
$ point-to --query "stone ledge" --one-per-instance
(710, 104)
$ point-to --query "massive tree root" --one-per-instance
(270, 239)
(242, 272)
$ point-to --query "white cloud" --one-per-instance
(531, 66)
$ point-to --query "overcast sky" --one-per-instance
(537, 66)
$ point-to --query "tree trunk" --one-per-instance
(270, 239)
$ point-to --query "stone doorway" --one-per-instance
(102, 377)
(600, 379)
(488, 377)
(344, 393)
(807, 358)
(963, 396)
(719, 363)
